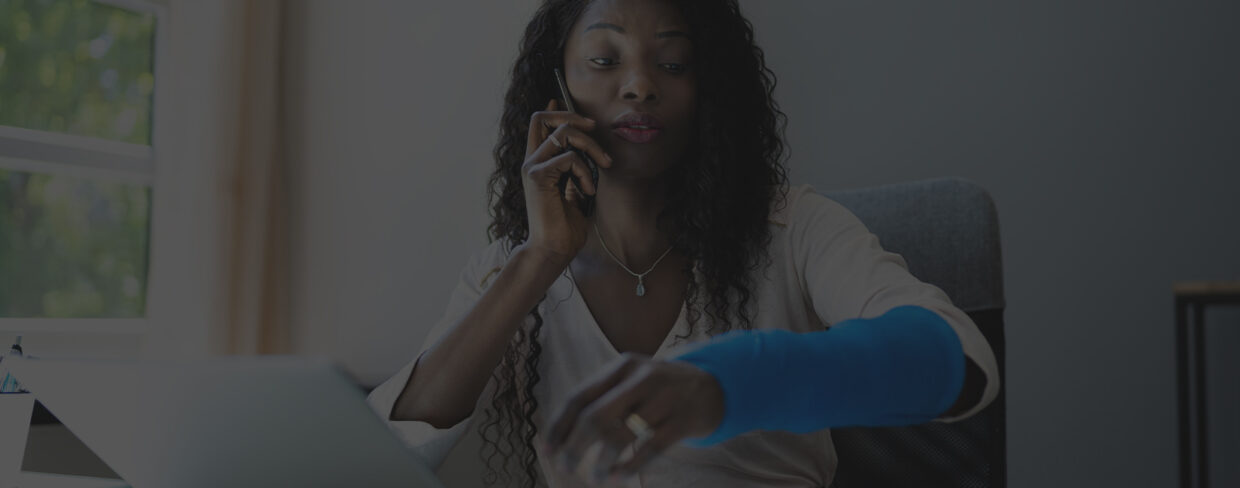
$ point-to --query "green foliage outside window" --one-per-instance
(71, 247)
(74, 247)
(77, 67)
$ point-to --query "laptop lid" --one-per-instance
(237, 422)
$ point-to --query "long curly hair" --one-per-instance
(718, 204)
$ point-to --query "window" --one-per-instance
(77, 165)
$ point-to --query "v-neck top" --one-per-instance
(825, 267)
(578, 299)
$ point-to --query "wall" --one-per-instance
(392, 112)
(392, 109)
(1106, 132)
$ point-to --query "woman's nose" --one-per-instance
(640, 86)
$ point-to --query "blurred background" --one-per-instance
(193, 178)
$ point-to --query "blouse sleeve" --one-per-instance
(429, 442)
(847, 274)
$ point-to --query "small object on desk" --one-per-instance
(1190, 342)
(16, 406)
(10, 384)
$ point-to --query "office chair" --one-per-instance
(948, 232)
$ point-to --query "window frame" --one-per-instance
(55, 153)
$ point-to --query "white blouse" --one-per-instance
(826, 267)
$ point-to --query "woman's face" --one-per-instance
(628, 65)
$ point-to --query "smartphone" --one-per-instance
(587, 203)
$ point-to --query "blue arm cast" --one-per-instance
(902, 368)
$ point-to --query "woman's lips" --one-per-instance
(635, 135)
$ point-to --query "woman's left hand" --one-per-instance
(638, 400)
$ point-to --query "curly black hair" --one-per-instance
(718, 204)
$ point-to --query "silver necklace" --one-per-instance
(641, 277)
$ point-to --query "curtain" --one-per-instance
(256, 243)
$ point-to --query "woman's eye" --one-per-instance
(674, 67)
(603, 61)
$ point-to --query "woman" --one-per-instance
(693, 233)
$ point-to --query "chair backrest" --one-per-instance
(948, 232)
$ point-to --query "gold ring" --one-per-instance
(638, 426)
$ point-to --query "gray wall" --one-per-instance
(1106, 132)
(392, 107)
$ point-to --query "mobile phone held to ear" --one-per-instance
(587, 203)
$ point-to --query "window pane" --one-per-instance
(77, 67)
(72, 247)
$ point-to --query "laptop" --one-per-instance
(239, 422)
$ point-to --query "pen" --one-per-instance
(10, 384)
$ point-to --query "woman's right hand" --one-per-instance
(557, 225)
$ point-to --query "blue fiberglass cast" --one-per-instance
(904, 367)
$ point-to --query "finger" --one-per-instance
(542, 129)
(569, 162)
(658, 404)
(571, 193)
(609, 413)
(566, 418)
(554, 146)
(604, 419)
(544, 122)
(580, 445)
(578, 468)
(664, 436)
(658, 411)
(575, 138)
(587, 447)
(660, 407)
(567, 136)
(603, 464)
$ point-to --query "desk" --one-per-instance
(46, 480)
(1190, 344)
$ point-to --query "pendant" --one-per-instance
(641, 288)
